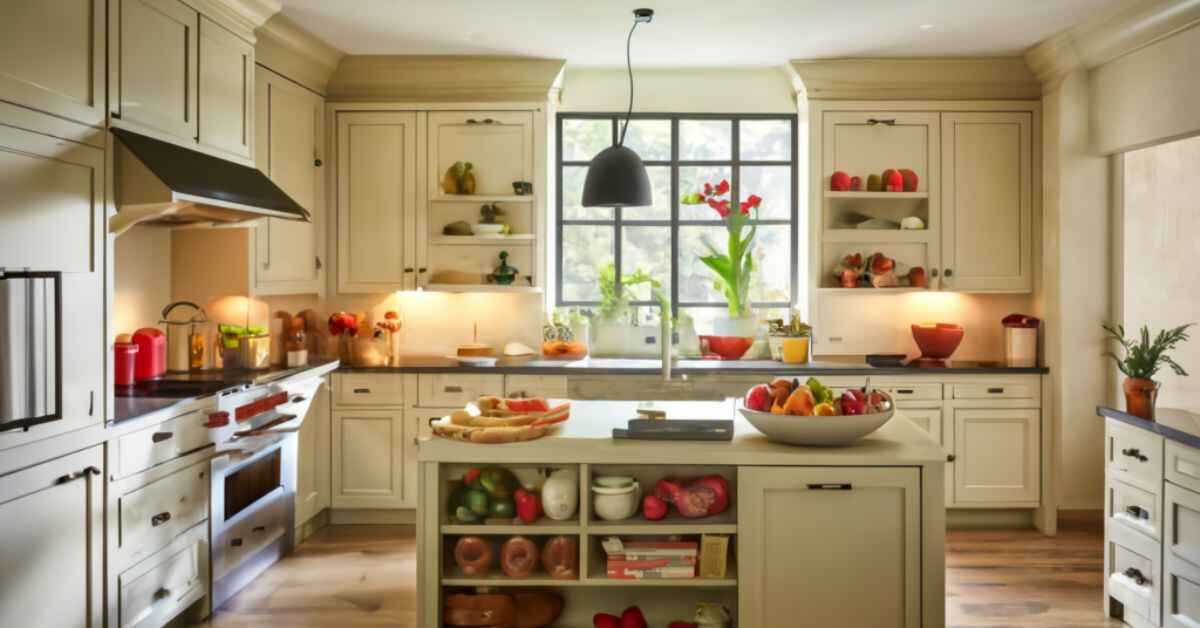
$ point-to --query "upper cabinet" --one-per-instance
(289, 148)
(52, 57)
(376, 201)
(226, 90)
(987, 190)
(153, 65)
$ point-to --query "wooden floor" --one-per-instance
(365, 576)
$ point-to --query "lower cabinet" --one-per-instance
(368, 459)
(52, 526)
(997, 459)
(155, 590)
(313, 459)
(793, 521)
(1181, 590)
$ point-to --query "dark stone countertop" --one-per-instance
(1172, 424)
(640, 366)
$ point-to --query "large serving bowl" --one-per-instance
(817, 431)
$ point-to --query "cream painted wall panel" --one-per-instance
(141, 278)
(226, 109)
(61, 74)
(1161, 223)
(153, 74)
(743, 90)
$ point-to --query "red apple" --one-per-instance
(855, 183)
(758, 398)
(839, 182)
(654, 508)
(911, 180)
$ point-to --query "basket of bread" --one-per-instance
(495, 420)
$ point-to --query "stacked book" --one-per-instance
(635, 560)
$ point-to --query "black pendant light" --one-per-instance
(617, 177)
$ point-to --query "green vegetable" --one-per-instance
(498, 482)
(821, 393)
(502, 508)
(464, 515)
(477, 501)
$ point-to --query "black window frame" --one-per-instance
(674, 223)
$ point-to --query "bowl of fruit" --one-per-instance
(811, 413)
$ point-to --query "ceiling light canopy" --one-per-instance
(616, 176)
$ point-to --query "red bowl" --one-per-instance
(727, 347)
(937, 341)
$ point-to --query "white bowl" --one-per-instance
(473, 360)
(489, 229)
(819, 431)
(613, 499)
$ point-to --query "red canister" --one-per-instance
(151, 355)
(124, 358)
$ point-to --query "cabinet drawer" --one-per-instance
(153, 592)
(1181, 594)
(362, 389)
(913, 392)
(1134, 507)
(996, 391)
(549, 386)
(1183, 465)
(453, 390)
(1134, 572)
(251, 531)
(1182, 508)
(156, 513)
(1134, 456)
(154, 445)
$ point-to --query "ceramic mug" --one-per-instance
(615, 498)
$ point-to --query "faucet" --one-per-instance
(664, 341)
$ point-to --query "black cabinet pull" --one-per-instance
(116, 115)
(362, 391)
(1136, 575)
(258, 529)
(1137, 512)
(162, 593)
(71, 477)
(951, 458)
(235, 543)
(299, 399)
(885, 121)
(904, 391)
(995, 391)
(159, 437)
(159, 519)
(1134, 452)
(830, 487)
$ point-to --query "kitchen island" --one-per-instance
(842, 536)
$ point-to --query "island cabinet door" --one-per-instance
(829, 547)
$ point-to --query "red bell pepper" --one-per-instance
(529, 506)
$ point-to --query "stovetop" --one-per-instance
(173, 388)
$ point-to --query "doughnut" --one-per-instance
(518, 557)
(473, 555)
(560, 557)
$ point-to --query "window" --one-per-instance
(756, 153)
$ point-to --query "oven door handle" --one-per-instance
(273, 427)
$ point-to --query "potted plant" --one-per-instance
(1143, 357)
(615, 330)
(735, 265)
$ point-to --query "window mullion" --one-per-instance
(675, 192)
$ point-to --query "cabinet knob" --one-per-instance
(318, 163)
(159, 519)
(161, 593)
(422, 270)
(933, 272)
(949, 273)
(951, 457)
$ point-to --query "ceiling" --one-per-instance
(690, 33)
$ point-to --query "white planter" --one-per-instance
(744, 327)
(624, 340)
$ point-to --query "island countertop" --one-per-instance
(587, 437)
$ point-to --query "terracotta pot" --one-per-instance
(1140, 395)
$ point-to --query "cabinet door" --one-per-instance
(154, 57)
(289, 129)
(52, 57)
(987, 200)
(377, 174)
(835, 546)
(313, 458)
(51, 520)
(368, 459)
(226, 90)
(498, 144)
(997, 459)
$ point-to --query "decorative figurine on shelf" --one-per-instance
(504, 275)
(522, 188)
(881, 270)
(489, 221)
(459, 179)
(849, 270)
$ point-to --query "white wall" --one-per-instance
(1162, 243)
(142, 278)
(727, 90)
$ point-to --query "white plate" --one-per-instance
(473, 360)
(820, 431)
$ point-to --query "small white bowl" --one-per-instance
(473, 360)
(615, 498)
(489, 229)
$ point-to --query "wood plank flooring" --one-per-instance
(366, 575)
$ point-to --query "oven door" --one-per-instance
(30, 348)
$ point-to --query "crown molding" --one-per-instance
(1110, 35)
(429, 78)
(289, 50)
(940, 78)
(244, 15)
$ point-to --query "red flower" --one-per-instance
(722, 207)
(750, 203)
(722, 187)
(708, 188)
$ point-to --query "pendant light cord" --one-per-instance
(629, 68)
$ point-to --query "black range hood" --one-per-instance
(162, 183)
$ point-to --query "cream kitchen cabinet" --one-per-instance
(289, 127)
(793, 522)
(52, 523)
(368, 459)
(226, 91)
(52, 57)
(313, 459)
(987, 199)
(376, 201)
(997, 456)
(153, 66)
